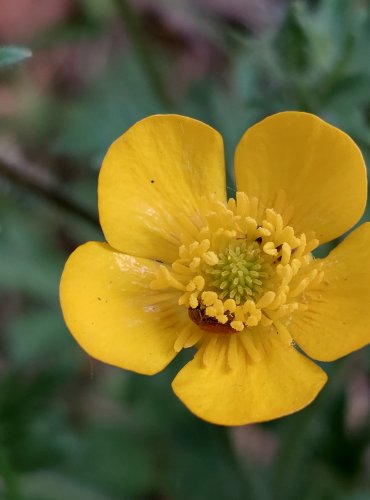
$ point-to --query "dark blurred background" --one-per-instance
(72, 428)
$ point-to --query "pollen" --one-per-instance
(242, 266)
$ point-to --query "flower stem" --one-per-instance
(142, 48)
(248, 481)
(301, 430)
(9, 478)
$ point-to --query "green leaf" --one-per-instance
(13, 55)
(50, 485)
(292, 42)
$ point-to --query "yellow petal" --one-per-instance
(337, 321)
(111, 312)
(154, 172)
(228, 388)
(319, 167)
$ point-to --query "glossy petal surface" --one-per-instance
(319, 167)
(282, 382)
(154, 172)
(337, 321)
(107, 305)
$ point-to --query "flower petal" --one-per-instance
(155, 171)
(228, 387)
(337, 321)
(109, 309)
(318, 167)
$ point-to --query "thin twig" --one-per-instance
(22, 172)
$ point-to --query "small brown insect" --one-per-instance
(199, 317)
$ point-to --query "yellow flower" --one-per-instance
(185, 267)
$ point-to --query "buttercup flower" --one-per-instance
(236, 279)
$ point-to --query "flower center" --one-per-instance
(239, 266)
(239, 272)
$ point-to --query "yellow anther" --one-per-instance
(211, 311)
(193, 301)
(183, 252)
(280, 298)
(209, 298)
(237, 325)
(219, 307)
(193, 247)
(245, 271)
(249, 307)
(267, 225)
(265, 321)
(190, 287)
(286, 252)
(251, 226)
(199, 282)
(242, 204)
(263, 232)
(184, 299)
(194, 264)
(231, 204)
(279, 224)
(230, 305)
(286, 273)
(270, 215)
(311, 245)
(227, 218)
(266, 299)
(254, 318)
(295, 264)
(204, 246)
(210, 258)
(269, 248)
(222, 318)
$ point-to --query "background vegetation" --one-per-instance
(71, 427)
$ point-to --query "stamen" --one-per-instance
(249, 346)
(232, 353)
(243, 269)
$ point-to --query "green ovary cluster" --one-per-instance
(239, 273)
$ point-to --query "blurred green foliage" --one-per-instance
(12, 55)
(73, 428)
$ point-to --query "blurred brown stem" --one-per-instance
(22, 172)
